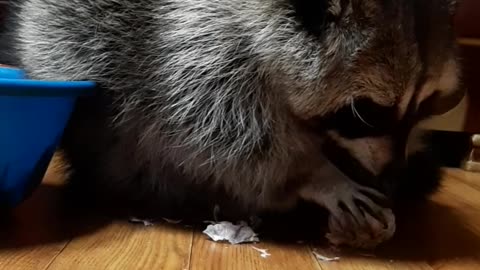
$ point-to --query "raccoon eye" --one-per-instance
(363, 118)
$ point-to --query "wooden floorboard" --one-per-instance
(208, 255)
(123, 246)
(442, 234)
(33, 235)
(465, 177)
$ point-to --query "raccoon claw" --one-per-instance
(358, 221)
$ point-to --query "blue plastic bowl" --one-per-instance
(33, 116)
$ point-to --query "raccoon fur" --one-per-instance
(253, 105)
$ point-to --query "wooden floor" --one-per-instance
(445, 234)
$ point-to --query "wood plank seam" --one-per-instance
(50, 263)
(311, 249)
(192, 240)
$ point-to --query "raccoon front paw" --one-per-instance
(357, 218)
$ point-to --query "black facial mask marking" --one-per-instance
(363, 119)
(346, 163)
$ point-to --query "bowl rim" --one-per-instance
(21, 87)
(14, 83)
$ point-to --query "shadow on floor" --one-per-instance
(430, 232)
(425, 232)
(44, 219)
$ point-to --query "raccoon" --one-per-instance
(252, 105)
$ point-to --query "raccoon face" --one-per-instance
(386, 66)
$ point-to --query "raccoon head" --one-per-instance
(386, 65)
